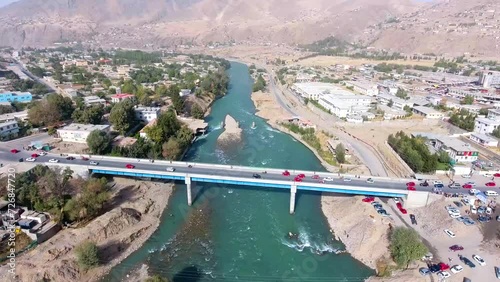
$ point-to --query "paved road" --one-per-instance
(35, 78)
(7, 157)
(25, 141)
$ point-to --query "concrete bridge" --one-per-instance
(190, 173)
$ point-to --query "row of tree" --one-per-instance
(463, 119)
(414, 152)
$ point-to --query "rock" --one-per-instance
(231, 134)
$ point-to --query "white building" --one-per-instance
(146, 114)
(457, 150)
(397, 103)
(427, 112)
(8, 128)
(185, 92)
(486, 125)
(93, 100)
(484, 139)
(347, 104)
(363, 87)
(489, 79)
(313, 90)
(14, 116)
(78, 133)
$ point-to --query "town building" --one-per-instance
(314, 90)
(489, 79)
(93, 100)
(9, 128)
(14, 116)
(15, 97)
(78, 133)
(345, 104)
(458, 150)
(397, 103)
(363, 87)
(484, 139)
(185, 92)
(147, 114)
(117, 98)
(486, 125)
(427, 112)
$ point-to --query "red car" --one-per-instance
(286, 173)
(410, 184)
(399, 205)
(85, 159)
(496, 175)
(368, 199)
(130, 166)
(443, 266)
(490, 184)
(403, 211)
(297, 179)
(456, 248)
(301, 175)
(467, 186)
(34, 155)
(315, 176)
(14, 151)
(411, 188)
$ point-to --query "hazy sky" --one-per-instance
(6, 2)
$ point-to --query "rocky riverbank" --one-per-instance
(134, 214)
(231, 134)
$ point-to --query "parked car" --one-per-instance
(467, 261)
(378, 206)
(375, 203)
(456, 248)
(370, 180)
(434, 268)
(497, 272)
(411, 188)
(403, 211)
(479, 260)
(286, 173)
(424, 271)
(467, 186)
(428, 256)
(368, 199)
(449, 233)
(30, 159)
(466, 176)
(14, 151)
(382, 212)
(457, 268)
(53, 161)
(130, 166)
(458, 204)
(490, 184)
(439, 185)
(455, 185)
(473, 210)
(347, 179)
(413, 219)
(93, 163)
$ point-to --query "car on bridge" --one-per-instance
(315, 176)
(491, 184)
(70, 158)
(297, 179)
(30, 159)
(403, 211)
(34, 155)
(496, 175)
(171, 169)
(53, 161)
(347, 179)
(467, 186)
(370, 180)
(14, 151)
(411, 188)
(439, 185)
(255, 175)
(286, 173)
(130, 166)
(301, 175)
(411, 183)
(327, 179)
(93, 163)
(454, 185)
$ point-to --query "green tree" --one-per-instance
(5, 109)
(401, 93)
(87, 255)
(483, 111)
(89, 115)
(467, 100)
(99, 142)
(171, 149)
(496, 132)
(260, 84)
(122, 116)
(406, 246)
(443, 157)
(340, 153)
(197, 111)
(390, 104)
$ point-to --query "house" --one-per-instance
(117, 98)
(93, 100)
(14, 116)
(16, 97)
(363, 87)
(78, 133)
(484, 139)
(9, 128)
(457, 150)
(427, 112)
(185, 92)
(147, 114)
(485, 125)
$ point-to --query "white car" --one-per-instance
(479, 260)
(443, 274)
(449, 233)
(466, 176)
(42, 153)
(327, 179)
(171, 169)
(53, 161)
(347, 179)
(437, 182)
(369, 180)
(93, 163)
(456, 269)
(454, 215)
(473, 210)
(30, 159)
(473, 191)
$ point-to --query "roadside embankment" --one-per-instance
(133, 215)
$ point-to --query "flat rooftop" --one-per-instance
(319, 88)
(84, 127)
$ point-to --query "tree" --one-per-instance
(496, 132)
(483, 111)
(64, 105)
(197, 111)
(89, 115)
(122, 116)
(157, 278)
(44, 113)
(171, 149)
(87, 255)
(443, 157)
(467, 100)
(260, 84)
(99, 142)
(406, 246)
(5, 109)
(340, 153)
(401, 93)
(390, 104)
(166, 126)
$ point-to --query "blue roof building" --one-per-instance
(15, 96)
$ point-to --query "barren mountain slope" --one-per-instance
(132, 22)
(450, 27)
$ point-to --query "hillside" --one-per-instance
(451, 27)
(131, 23)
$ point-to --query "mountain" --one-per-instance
(132, 23)
(451, 27)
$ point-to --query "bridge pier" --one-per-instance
(293, 191)
(187, 180)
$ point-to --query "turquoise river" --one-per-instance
(234, 233)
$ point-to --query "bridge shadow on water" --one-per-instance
(188, 274)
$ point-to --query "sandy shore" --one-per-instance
(135, 211)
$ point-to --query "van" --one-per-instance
(170, 169)
(491, 193)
